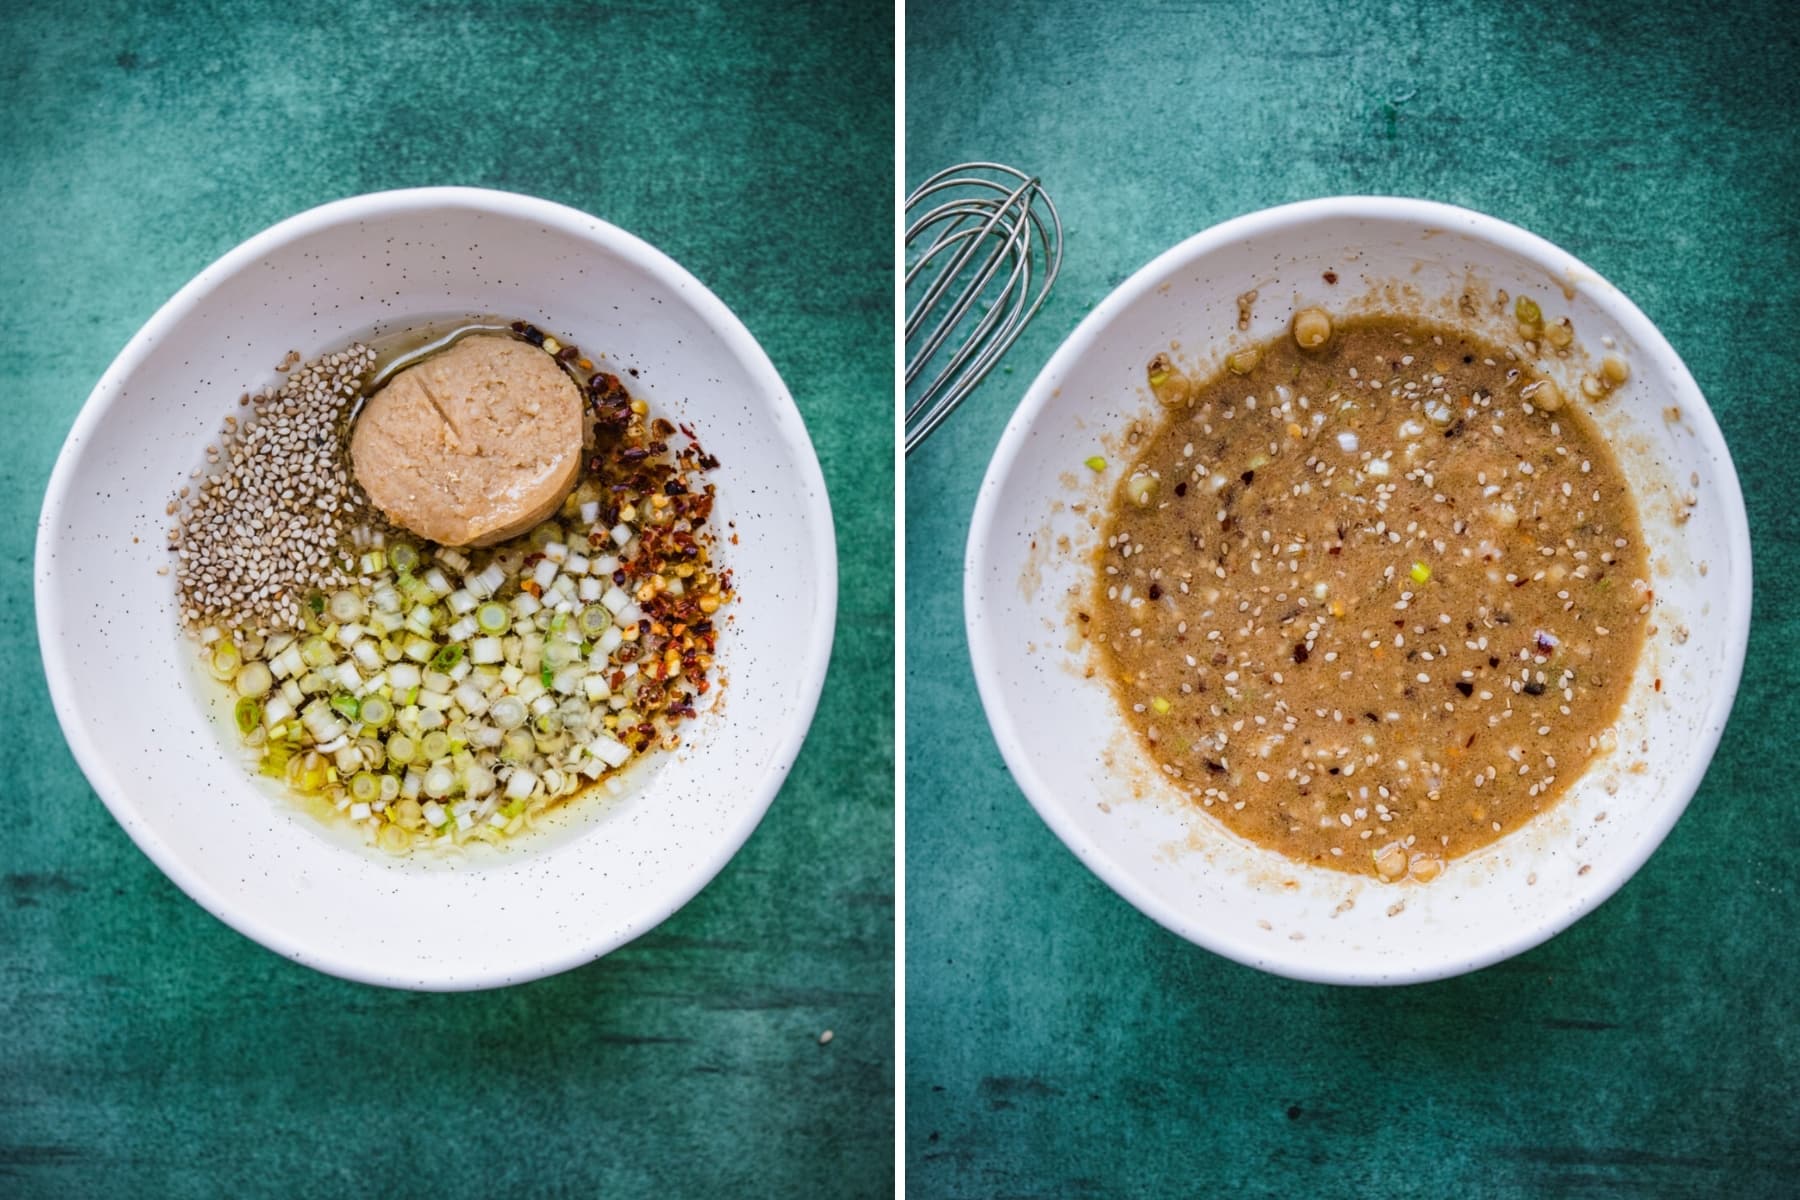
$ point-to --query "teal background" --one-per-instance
(147, 1050)
(1058, 1043)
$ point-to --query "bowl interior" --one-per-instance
(1060, 730)
(148, 736)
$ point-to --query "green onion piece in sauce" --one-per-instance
(249, 714)
(226, 660)
(447, 658)
(493, 618)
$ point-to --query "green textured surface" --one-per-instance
(1060, 1044)
(147, 1050)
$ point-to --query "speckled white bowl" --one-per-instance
(146, 735)
(1062, 734)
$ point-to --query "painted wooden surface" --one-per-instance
(1060, 1044)
(147, 1050)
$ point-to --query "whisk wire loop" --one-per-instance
(981, 238)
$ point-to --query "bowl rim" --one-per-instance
(1608, 875)
(788, 422)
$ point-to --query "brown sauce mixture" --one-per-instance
(1366, 602)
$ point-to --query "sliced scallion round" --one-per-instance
(493, 618)
(508, 712)
(254, 679)
(594, 621)
(436, 745)
(249, 714)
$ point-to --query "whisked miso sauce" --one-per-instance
(1373, 603)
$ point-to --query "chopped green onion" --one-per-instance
(435, 746)
(493, 618)
(403, 557)
(275, 762)
(346, 706)
(316, 652)
(346, 606)
(401, 749)
(508, 712)
(1161, 706)
(1421, 573)
(1096, 463)
(316, 602)
(376, 712)
(1527, 310)
(254, 679)
(249, 715)
(593, 621)
(545, 675)
(225, 660)
(447, 658)
(365, 788)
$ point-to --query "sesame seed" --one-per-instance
(241, 565)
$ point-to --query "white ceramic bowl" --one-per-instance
(1062, 735)
(145, 734)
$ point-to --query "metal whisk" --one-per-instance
(983, 245)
